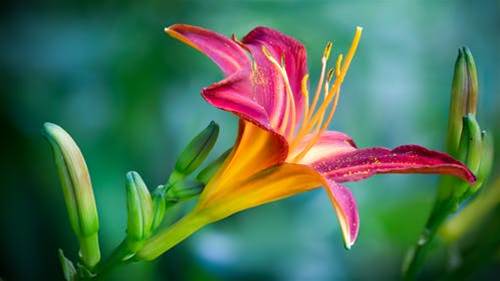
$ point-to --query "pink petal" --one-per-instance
(230, 95)
(347, 212)
(329, 144)
(363, 163)
(254, 92)
(228, 55)
(268, 82)
(235, 93)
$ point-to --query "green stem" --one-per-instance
(449, 198)
(171, 236)
(416, 256)
(116, 258)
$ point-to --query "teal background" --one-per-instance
(129, 95)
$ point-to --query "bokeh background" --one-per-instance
(129, 95)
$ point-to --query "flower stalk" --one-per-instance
(171, 236)
(469, 144)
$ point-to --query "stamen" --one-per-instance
(305, 93)
(324, 60)
(329, 78)
(343, 70)
(338, 64)
(330, 74)
(328, 49)
(290, 102)
(334, 92)
(318, 131)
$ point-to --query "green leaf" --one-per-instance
(67, 266)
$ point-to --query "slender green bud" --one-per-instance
(140, 210)
(206, 174)
(464, 93)
(183, 191)
(472, 82)
(469, 152)
(195, 153)
(159, 206)
(473, 139)
(486, 164)
(77, 190)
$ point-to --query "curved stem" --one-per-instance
(416, 256)
(116, 258)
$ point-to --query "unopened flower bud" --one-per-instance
(140, 210)
(472, 82)
(464, 93)
(183, 191)
(470, 153)
(470, 143)
(78, 193)
(195, 153)
(159, 206)
(206, 174)
(486, 160)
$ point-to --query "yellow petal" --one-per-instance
(269, 185)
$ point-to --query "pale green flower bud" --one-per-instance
(195, 153)
(183, 191)
(464, 93)
(159, 206)
(472, 87)
(486, 160)
(469, 152)
(140, 211)
(470, 143)
(78, 193)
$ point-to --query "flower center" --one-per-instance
(317, 116)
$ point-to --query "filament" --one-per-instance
(331, 95)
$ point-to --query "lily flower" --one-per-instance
(284, 146)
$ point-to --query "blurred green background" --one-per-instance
(129, 95)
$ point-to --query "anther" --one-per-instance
(330, 74)
(338, 65)
(328, 49)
